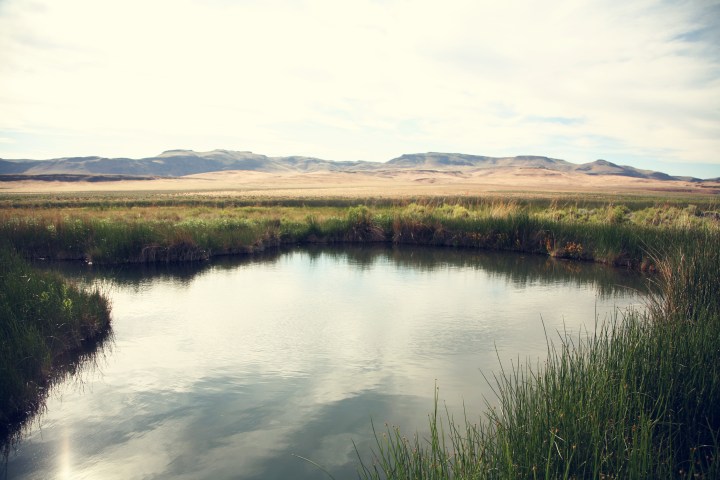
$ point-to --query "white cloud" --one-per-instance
(363, 79)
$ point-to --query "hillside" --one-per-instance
(181, 163)
(174, 163)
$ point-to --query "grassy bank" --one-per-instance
(640, 398)
(117, 230)
(45, 325)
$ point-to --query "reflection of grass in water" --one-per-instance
(521, 270)
(638, 399)
(47, 326)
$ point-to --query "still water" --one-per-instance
(236, 368)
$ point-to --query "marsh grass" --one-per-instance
(45, 324)
(637, 398)
(163, 229)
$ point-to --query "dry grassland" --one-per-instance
(381, 183)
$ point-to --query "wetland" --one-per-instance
(230, 354)
(234, 368)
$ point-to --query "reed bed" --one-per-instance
(153, 230)
(637, 398)
(45, 323)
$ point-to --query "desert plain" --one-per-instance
(378, 183)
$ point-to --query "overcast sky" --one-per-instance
(633, 82)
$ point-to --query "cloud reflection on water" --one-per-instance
(225, 370)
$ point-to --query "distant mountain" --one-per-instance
(433, 160)
(178, 163)
(603, 167)
(172, 163)
(444, 161)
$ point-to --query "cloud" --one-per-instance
(386, 77)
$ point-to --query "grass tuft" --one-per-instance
(638, 398)
(45, 323)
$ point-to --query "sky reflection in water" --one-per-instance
(227, 369)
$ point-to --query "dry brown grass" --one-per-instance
(379, 184)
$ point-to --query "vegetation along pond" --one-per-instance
(241, 368)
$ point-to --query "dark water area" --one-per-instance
(238, 367)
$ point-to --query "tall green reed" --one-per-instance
(42, 319)
(170, 233)
(636, 398)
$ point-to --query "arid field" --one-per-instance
(380, 183)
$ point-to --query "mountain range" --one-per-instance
(178, 163)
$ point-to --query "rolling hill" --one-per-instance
(180, 163)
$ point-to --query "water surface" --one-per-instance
(231, 369)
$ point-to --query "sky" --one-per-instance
(634, 82)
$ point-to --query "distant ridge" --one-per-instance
(435, 160)
(179, 163)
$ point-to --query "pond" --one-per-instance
(238, 367)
